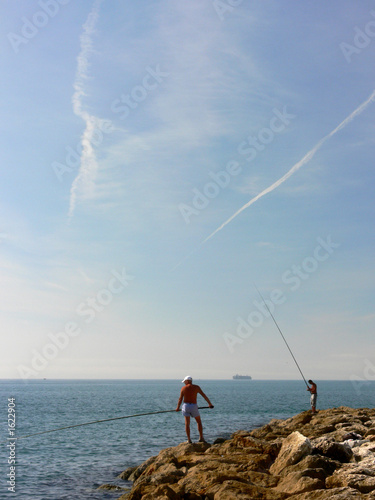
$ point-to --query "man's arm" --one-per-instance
(205, 397)
(180, 399)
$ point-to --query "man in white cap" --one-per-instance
(190, 408)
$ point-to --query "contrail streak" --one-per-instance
(88, 165)
(299, 164)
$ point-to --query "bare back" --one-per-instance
(190, 392)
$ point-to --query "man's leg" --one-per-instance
(313, 403)
(187, 428)
(200, 428)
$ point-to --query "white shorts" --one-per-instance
(190, 410)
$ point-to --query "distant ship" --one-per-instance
(241, 377)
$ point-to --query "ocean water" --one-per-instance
(72, 463)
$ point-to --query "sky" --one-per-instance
(171, 173)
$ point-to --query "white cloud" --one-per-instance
(84, 182)
(180, 122)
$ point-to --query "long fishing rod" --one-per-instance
(97, 422)
(281, 333)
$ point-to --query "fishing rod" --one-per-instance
(281, 333)
(99, 421)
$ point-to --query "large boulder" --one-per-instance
(324, 465)
(294, 448)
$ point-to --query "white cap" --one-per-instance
(187, 378)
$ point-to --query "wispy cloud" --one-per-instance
(186, 115)
(86, 174)
(308, 156)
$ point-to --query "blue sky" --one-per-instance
(133, 131)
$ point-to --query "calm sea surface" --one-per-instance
(72, 463)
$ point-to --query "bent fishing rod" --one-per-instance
(281, 333)
(97, 422)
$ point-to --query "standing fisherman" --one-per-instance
(190, 408)
(314, 395)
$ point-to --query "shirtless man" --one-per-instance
(314, 395)
(190, 408)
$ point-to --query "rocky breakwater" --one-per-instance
(329, 455)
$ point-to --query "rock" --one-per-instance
(219, 440)
(263, 432)
(300, 458)
(334, 494)
(127, 473)
(234, 490)
(201, 481)
(355, 443)
(112, 487)
(294, 448)
(255, 445)
(360, 476)
(163, 492)
(351, 436)
(137, 471)
(262, 479)
(356, 430)
(300, 482)
(324, 465)
(365, 450)
(330, 448)
(360, 482)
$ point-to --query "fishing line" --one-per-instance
(97, 422)
(281, 333)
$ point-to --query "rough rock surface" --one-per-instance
(329, 455)
(294, 448)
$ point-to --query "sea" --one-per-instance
(70, 464)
